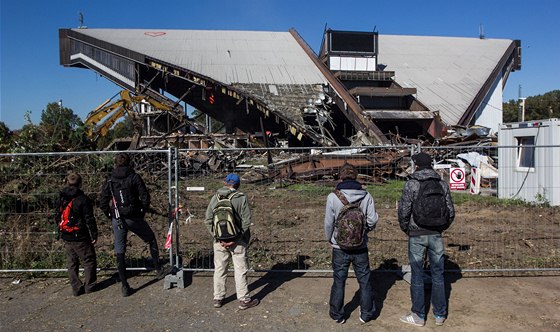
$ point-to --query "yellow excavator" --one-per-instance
(128, 104)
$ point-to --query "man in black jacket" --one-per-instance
(78, 230)
(125, 199)
(422, 239)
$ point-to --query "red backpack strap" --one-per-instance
(341, 196)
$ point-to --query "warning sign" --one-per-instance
(457, 179)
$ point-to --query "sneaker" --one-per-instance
(413, 319)
(440, 320)
(341, 321)
(162, 272)
(246, 304)
(217, 303)
(362, 320)
(126, 290)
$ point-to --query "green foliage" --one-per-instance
(5, 137)
(536, 108)
(59, 130)
(62, 129)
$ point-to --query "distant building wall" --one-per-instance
(490, 112)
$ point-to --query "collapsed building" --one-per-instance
(362, 88)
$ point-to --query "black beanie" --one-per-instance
(422, 160)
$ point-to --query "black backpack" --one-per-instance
(225, 223)
(350, 224)
(121, 189)
(429, 209)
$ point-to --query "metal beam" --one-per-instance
(356, 116)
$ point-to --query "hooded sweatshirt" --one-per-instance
(353, 192)
(410, 192)
(138, 190)
(82, 212)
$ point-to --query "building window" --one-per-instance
(526, 152)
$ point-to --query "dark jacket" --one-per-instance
(82, 212)
(138, 190)
(409, 194)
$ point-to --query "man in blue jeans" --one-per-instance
(351, 191)
(424, 238)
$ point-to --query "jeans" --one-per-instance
(340, 263)
(417, 246)
(139, 227)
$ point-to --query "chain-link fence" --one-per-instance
(287, 190)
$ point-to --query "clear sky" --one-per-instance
(31, 74)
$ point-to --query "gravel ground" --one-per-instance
(289, 302)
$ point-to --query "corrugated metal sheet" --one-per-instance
(447, 72)
(227, 56)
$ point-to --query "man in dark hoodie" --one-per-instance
(422, 239)
(125, 199)
(78, 230)
(341, 258)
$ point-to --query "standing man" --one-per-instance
(425, 211)
(228, 219)
(349, 246)
(78, 230)
(125, 199)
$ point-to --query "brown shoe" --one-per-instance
(248, 304)
(217, 303)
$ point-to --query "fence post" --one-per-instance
(178, 277)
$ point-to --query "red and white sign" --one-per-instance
(457, 179)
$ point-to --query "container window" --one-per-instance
(526, 152)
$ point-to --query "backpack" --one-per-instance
(225, 224)
(67, 223)
(122, 195)
(429, 209)
(350, 224)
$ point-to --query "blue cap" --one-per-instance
(232, 178)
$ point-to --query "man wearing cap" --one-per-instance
(422, 240)
(234, 249)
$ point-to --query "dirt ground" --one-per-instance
(289, 302)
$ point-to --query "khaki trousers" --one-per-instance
(238, 254)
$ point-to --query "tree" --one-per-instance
(5, 137)
(62, 129)
(536, 107)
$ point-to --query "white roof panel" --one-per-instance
(227, 56)
(447, 72)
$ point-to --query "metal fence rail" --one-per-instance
(287, 190)
(29, 197)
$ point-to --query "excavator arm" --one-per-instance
(101, 119)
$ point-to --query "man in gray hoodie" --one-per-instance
(234, 249)
(342, 258)
(424, 239)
